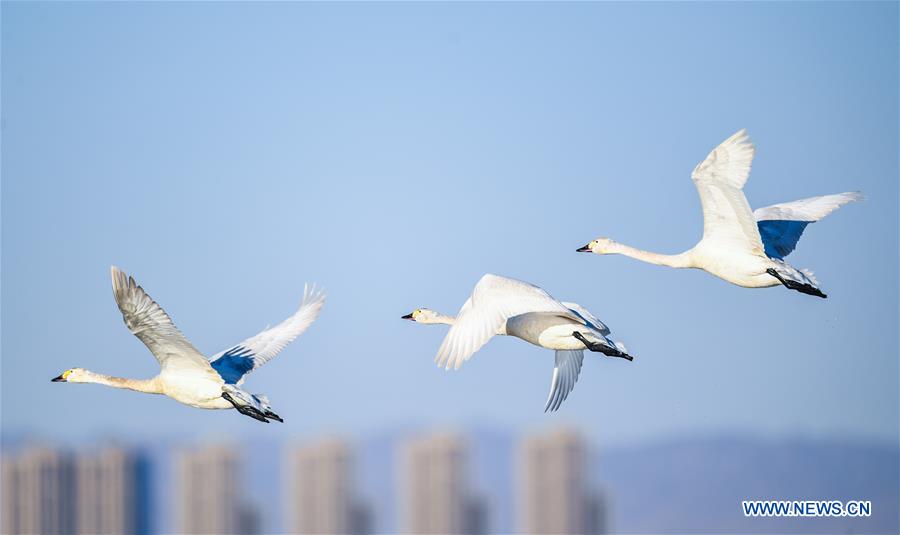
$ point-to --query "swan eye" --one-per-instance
(67, 373)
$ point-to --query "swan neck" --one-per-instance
(149, 386)
(681, 260)
(442, 318)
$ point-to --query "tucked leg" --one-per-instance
(609, 351)
(247, 410)
(807, 289)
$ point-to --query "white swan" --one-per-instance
(742, 247)
(185, 374)
(504, 306)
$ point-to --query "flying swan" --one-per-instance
(504, 306)
(743, 247)
(185, 374)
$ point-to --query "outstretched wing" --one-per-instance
(565, 375)
(150, 323)
(588, 318)
(494, 300)
(719, 179)
(237, 361)
(781, 225)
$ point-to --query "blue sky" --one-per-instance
(224, 154)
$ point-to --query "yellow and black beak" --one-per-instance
(62, 378)
(407, 317)
(585, 249)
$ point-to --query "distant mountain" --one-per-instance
(696, 486)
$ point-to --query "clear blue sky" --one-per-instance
(224, 154)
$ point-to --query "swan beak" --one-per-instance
(406, 317)
(585, 249)
(59, 379)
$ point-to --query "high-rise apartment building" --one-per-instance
(38, 497)
(112, 492)
(208, 491)
(554, 494)
(435, 495)
(320, 491)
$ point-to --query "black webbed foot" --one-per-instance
(609, 351)
(809, 290)
(798, 286)
(246, 410)
(273, 416)
(620, 354)
(253, 413)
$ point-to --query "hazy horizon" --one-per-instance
(648, 488)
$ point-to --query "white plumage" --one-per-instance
(264, 346)
(811, 209)
(503, 306)
(185, 374)
(494, 300)
(740, 246)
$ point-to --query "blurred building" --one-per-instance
(554, 494)
(249, 520)
(320, 495)
(38, 496)
(208, 493)
(435, 494)
(8, 504)
(112, 492)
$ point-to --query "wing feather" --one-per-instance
(719, 179)
(781, 225)
(565, 375)
(810, 209)
(494, 300)
(235, 362)
(589, 318)
(150, 323)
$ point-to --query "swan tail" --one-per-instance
(810, 275)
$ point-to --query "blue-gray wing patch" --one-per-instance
(780, 236)
(233, 364)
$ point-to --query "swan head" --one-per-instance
(421, 315)
(598, 246)
(75, 375)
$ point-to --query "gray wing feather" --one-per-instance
(588, 318)
(565, 375)
(150, 323)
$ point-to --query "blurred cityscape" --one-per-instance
(438, 482)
